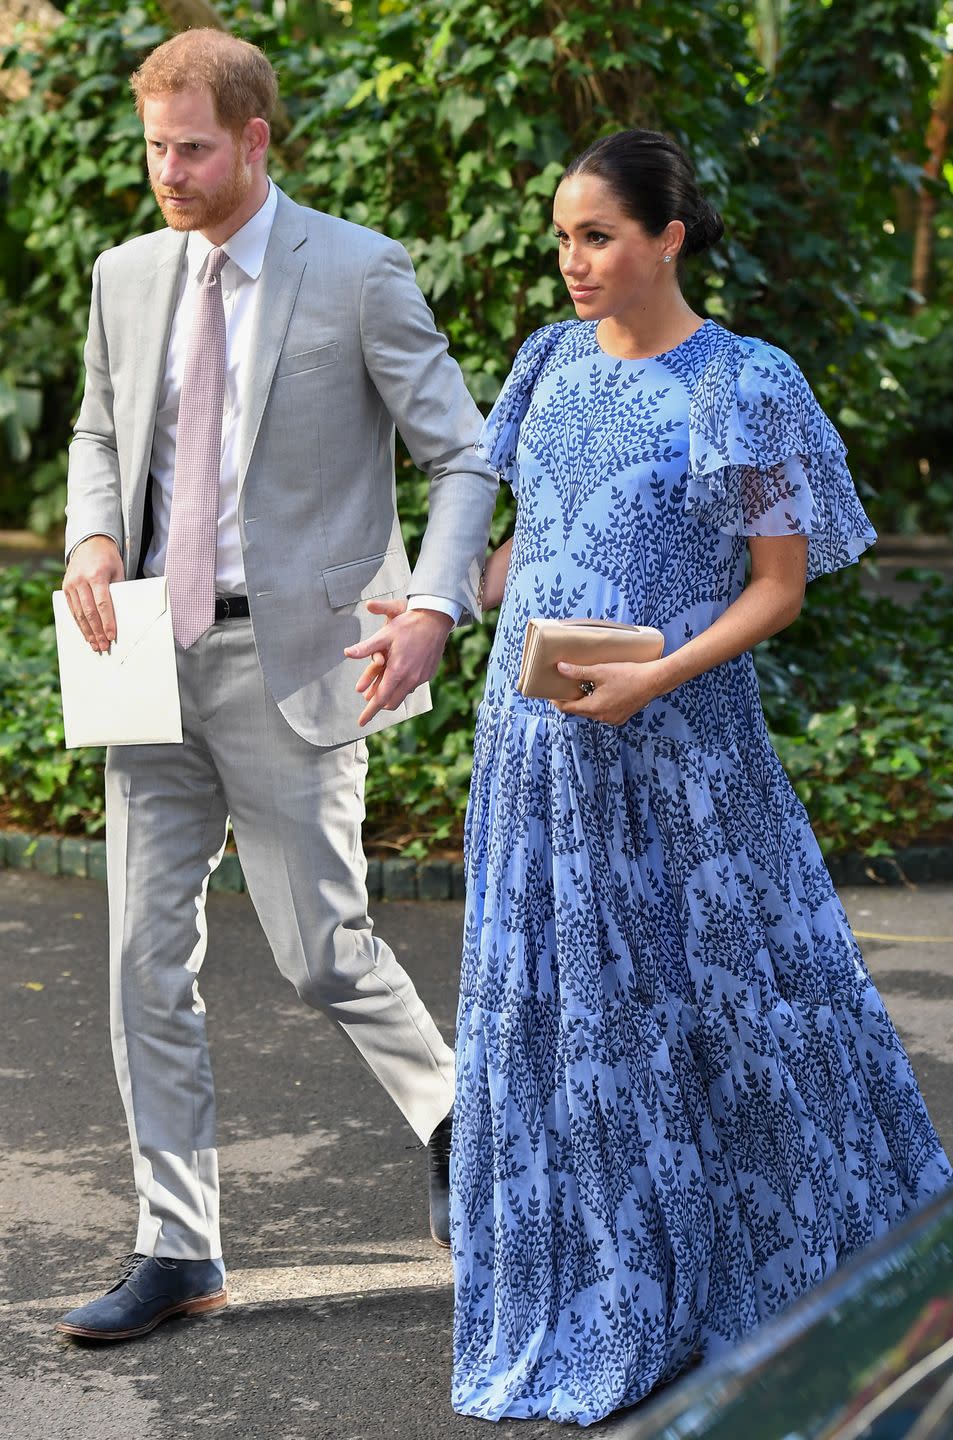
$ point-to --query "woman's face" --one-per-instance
(610, 263)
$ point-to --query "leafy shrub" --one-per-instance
(42, 783)
(857, 693)
(920, 445)
(448, 122)
(859, 697)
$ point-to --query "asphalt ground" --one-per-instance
(340, 1321)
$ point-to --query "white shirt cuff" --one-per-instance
(436, 602)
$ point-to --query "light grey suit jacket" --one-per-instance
(345, 348)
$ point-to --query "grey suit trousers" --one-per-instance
(296, 812)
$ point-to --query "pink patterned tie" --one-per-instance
(193, 520)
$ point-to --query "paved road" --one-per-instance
(340, 1327)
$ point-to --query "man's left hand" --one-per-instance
(405, 653)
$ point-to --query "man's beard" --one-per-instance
(208, 209)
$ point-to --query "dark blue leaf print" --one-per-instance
(765, 460)
(576, 1260)
(599, 438)
(680, 1101)
(473, 1168)
(531, 545)
(645, 551)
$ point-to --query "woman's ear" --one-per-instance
(673, 238)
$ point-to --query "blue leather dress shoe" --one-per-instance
(150, 1289)
(438, 1153)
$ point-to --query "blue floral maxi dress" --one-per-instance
(680, 1101)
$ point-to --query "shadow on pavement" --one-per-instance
(341, 1323)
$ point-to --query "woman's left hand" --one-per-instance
(618, 691)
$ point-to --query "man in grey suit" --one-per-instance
(245, 369)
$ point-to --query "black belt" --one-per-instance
(231, 607)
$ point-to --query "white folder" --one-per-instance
(130, 695)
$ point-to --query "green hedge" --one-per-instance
(858, 694)
(447, 123)
(859, 697)
(43, 785)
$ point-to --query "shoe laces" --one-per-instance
(128, 1265)
(438, 1147)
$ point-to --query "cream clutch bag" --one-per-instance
(580, 642)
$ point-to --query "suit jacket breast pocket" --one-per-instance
(307, 360)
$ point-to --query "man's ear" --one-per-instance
(255, 136)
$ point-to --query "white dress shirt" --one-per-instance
(246, 257)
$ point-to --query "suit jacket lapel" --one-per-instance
(280, 279)
(154, 325)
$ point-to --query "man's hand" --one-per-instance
(93, 566)
(403, 654)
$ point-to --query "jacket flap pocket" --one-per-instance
(307, 360)
(375, 575)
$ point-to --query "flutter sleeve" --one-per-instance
(765, 460)
(500, 435)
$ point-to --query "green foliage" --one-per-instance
(20, 404)
(42, 784)
(450, 125)
(858, 695)
(420, 772)
(921, 445)
(835, 176)
(824, 206)
(72, 149)
(447, 123)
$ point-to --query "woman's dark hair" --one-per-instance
(654, 182)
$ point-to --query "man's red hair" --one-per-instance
(238, 76)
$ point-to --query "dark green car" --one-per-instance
(868, 1355)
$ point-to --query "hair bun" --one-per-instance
(706, 229)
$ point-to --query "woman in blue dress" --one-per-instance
(680, 1101)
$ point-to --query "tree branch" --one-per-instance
(938, 142)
